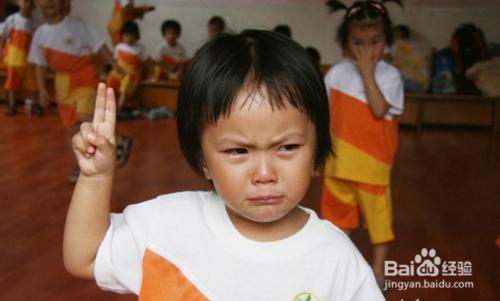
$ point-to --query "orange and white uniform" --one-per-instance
(183, 246)
(68, 48)
(118, 18)
(18, 31)
(358, 177)
(130, 59)
(170, 56)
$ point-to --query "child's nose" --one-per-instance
(264, 172)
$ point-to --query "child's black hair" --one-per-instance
(171, 24)
(262, 59)
(10, 9)
(284, 30)
(365, 13)
(131, 27)
(217, 22)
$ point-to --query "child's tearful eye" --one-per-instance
(236, 152)
(288, 148)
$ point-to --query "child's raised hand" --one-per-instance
(94, 145)
(364, 58)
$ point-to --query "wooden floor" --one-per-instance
(446, 197)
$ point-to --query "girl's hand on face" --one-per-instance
(365, 59)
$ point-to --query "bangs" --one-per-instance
(251, 72)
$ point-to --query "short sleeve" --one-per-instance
(36, 55)
(392, 88)
(92, 38)
(8, 24)
(368, 290)
(118, 264)
(329, 81)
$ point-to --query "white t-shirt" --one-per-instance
(345, 77)
(137, 50)
(71, 37)
(18, 22)
(165, 53)
(193, 231)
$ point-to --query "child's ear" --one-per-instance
(206, 172)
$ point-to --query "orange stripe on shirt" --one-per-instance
(161, 280)
(168, 60)
(128, 58)
(353, 122)
(20, 39)
(82, 69)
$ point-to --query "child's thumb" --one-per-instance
(102, 144)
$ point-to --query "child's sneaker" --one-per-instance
(123, 151)
(37, 110)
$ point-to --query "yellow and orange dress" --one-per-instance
(130, 59)
(68, 48)
(19, 34)
(358, 178)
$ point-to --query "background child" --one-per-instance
(124, 11)
(17, 36)
(366, 95)
(258, 139)
(130, 56)
(67, 45)
(216, 26)
(170, 54)
(10, 9)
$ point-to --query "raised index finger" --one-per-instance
(100, 106)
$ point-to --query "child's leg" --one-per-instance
(30, 84)
(338, 204)
(12, 84)
(11, 104)
(380, 252)
(376, 207)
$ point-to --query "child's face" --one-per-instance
(259, 160)
(369, 37)
(51, 8)
(213, 30)
(171, 37)
(129, 38)
(26, 6)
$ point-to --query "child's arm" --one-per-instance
(366, 62)
(41, 80)
(88, 215)
(107, 56)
